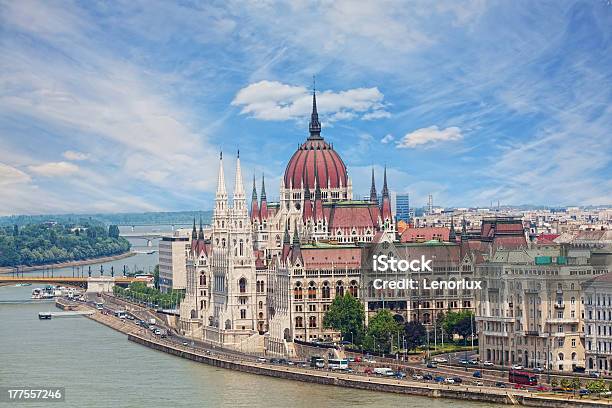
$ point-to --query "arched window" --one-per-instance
(202, 279)
(260, 315)
(260, 304)
(242, 285)
(326, 290)
(561, 356)
(228, 324)
(241, 248)
(312, 322)
(339, 288)
(353, 289)
(223, 242)
(262, 286)
(312, 290)
(297, 291)
(299, 322)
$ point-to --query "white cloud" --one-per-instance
(76, 156)
(387, 139)
(11, 175)
(54, 169)
(429, 135)
(272, 100)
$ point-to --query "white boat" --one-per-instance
(37, 293)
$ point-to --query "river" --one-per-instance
(100, 368)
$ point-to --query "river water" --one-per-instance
(99, 367)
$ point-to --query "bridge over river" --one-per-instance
(91, 283)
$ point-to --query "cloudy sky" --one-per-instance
(125, 105)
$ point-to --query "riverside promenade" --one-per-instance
(247, 364)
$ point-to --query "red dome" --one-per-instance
(315, 153)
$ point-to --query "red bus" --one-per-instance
(522, 377)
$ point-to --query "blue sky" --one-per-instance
(124, 106)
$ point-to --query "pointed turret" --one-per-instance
(314, 126)
(263, 207)
(201, 232)
(194, 232)
(386, 201)
(452, 235)
(286, 246)
(221, 191)
(254, 205)
(373, 195)
(296, 252)
(318, 204)
(238, 186)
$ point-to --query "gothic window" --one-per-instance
(312, 290)
(312, 322)
(202, 279)
(260, 315)
(242, 285)
(339, 288)
(325, 290)
(297, 291)
(228, 324)
(241, 247)
(353, 288)
(262, 286)
(260, 304)
(299, 322)
(223, 243)
(243, 313)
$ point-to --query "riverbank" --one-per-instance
(68, 264)
(348, 380)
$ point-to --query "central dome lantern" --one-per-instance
(317, 160)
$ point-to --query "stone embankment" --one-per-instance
(247, 365)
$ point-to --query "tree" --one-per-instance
(346, 314)
(15, 230)
(414, 334)
(596, 386)
(113, 231)
(382, 326)
(156, 276)
(459, 323)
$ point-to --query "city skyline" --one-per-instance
(473, 103)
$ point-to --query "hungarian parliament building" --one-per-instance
(264, 274)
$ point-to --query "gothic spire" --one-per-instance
(373, 195)
(296, 238)
(452, 236)
(239, 186)
(315, 125)
(221, 192)
(263, 188)
(385, 191)
(201, 233)
(286, 238)
(194, 233)
(254, 195)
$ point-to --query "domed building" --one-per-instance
(316, 197)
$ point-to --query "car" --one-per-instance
(478, 383)
(477, 374)
(274, 360)
(400, 375)
(282, 361)
(439, 379)
(369, 361)
(584, 392)
(517, 367)
(538, 370)
(519, 387)
(427, 377)
(500, 384)
(163, 335)
(351, 359)
(488, 364)
(358, 359)
(473, 362)
(594, 374)
(440, 360)
(158, 332)
(464, 362)
(542, 388)
(431, 364)
(368, 370)
(207, 351)
(185, 343)
(457, 380)
(449, 380)
(417, 377)
(261, 360)
(290, 362)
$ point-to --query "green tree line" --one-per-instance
(46, 243)
(384, 333)
(138, 291)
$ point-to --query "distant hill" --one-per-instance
(148, 218)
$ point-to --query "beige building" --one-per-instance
(530, 309)
(173, 252)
